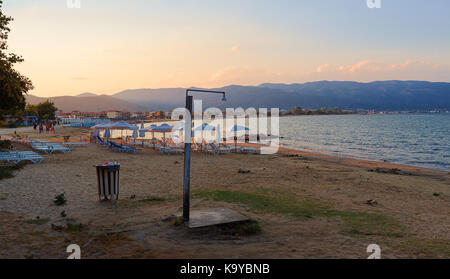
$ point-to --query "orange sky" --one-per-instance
(108, 46)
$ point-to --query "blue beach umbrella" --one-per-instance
(135, 133)
(142, 131)
(237, 128)
(164, 128)
(121, 125)
(107, 134)
(205, 127)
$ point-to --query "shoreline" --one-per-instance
(361, 162)
(287, 150)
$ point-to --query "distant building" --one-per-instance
(111, 114)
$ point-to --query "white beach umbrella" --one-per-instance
(121, 125)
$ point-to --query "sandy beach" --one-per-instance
(307, 205)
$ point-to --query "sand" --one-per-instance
(415, 206)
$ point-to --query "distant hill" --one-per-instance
(87, 94)
(379, 95)
(91, 103)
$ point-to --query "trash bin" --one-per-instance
(108, 181)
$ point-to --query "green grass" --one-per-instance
(426, 247)
(152, 199)
(8, 171)
(40, 221)
(75, 228)
(356, 223)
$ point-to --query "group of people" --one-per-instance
(49, 126)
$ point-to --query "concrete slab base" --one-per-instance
(213, 217)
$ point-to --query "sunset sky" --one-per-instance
(107, 46)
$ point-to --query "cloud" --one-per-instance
(322, 68)
(368, 70)
(235, 48)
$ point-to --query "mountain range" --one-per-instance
(378, 95)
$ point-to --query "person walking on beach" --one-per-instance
(41, 127)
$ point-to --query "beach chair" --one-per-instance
(173, 150)
(19, 156)
(75, 144)
(247, 150)
(216, 149)
(122, 148)
(55, 147)
(48, 147)
(41, 147)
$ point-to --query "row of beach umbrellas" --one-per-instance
(163, 128)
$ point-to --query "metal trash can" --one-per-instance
(108, 181)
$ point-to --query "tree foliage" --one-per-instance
(13, 85)
(45, 110)
(321, 111)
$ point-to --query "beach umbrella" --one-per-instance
(205, 127)
(141, 131)
(107, 134)
(164, 128)
(135, 134)
(152, 128)
(101, 126)
(237, 128)
(121, 125)
(179, 126)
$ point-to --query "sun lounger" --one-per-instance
(171, 150)
(122, 148)
(216, 149)
(75, 144)
(248, 150)
(49, 147)
(19, 156)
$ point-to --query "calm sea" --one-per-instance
(412, 139)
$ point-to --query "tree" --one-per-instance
(13, 85)
(46, 110)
